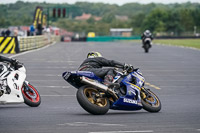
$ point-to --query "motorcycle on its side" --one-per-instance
(97, 98)
(14, 88)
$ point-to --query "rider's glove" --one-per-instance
(131, 68)
(128, 67)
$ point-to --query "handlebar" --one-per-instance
(125, 71)
(15, 64)
(128, 69)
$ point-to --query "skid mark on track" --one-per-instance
(52, 86)
(145, 131)
(58, 95)
(88, 124)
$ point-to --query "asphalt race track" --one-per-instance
(173, 73)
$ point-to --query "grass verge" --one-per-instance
(193, 43)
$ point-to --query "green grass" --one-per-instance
(194, 43)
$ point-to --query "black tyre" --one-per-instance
(150, 101)
(146, 48)
(89, 98)
(31, 95)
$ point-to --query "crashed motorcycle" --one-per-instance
(14, 88)
(147, 44)
(97, 98)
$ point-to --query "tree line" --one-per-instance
(162, 19)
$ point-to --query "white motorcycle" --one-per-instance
(147, 44)
(14, 88)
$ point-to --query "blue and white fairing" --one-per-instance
(131, 100)
(73, 77)
(82, 73)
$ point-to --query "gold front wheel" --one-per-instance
(150, 101)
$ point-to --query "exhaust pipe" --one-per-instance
(94, 83)
(99, 86)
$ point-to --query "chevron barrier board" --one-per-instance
(9, 45)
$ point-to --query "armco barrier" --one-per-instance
(34, 42)
(9, 45)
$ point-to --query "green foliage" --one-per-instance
(173, 19)
(109, 17)
(186, 20)
(155, 20)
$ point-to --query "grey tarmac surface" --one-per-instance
(175, 70)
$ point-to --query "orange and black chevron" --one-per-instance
(8, 45)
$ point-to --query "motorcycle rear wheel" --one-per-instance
(150, 103)
(31, 95)
(90, 100)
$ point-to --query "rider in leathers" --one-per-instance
(95, 62)
(146, 34)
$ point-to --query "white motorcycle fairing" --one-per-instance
(15, 81)
(147, 40)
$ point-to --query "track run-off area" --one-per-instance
(173, 73)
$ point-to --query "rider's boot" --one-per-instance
(112, 87)
(108, 82)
